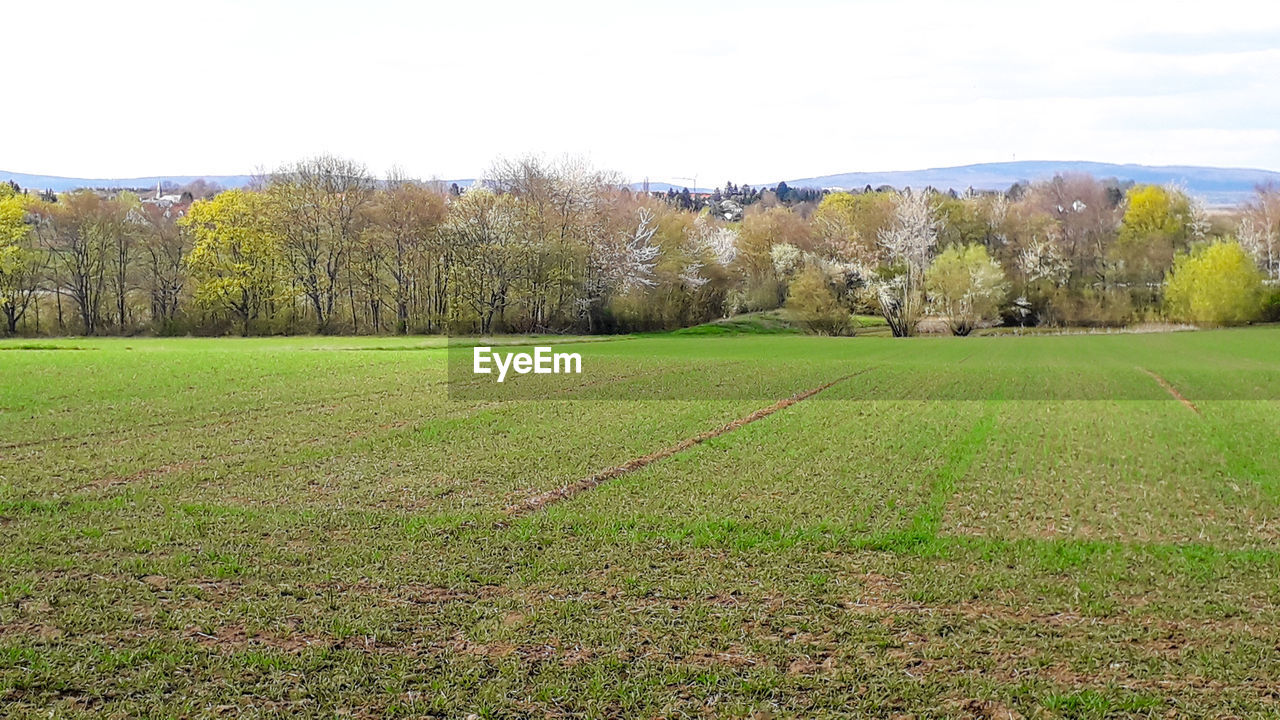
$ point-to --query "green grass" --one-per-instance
(963, 527)
(773, 322)
(760, 323)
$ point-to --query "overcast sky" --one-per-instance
(743, 91)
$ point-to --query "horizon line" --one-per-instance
(659, 179)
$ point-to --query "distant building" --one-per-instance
(167, 206)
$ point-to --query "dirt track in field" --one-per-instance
(1169, 388)
(538, 502)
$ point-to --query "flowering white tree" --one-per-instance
(1198, 224)
(717, 242)
(1259, 232)
(707, 244)
(1041, 259)
(566, 210)
(621, 263)
(491, 254)
(636, 256)
(996, 217)
(691, 274)
(914, 233)
(786, 258)
(1263, 244)
(910, 242)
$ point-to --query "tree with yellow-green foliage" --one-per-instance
(236, 258)
(814, 304)
(1217, 284)
(1158, 223)
(966, 286)
(13, 225)
(965, 220)
(19, 263)
(761, 230)
(320, 206)
(849, 224)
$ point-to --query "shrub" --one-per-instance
(762, 294)
(1217, 284)
(814, 304)
(1087, 307)
(966, 286)
(1271, 305)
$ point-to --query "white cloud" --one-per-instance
(748, 91)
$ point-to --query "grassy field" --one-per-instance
(1075, 527)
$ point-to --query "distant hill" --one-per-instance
(654, 185)
(1215, 185)
(63, 184)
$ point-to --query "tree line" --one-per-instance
(323, 246)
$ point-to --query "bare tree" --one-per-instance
(483, 229)
(318, 206)
(125, 221)
(1086, 218)
(163, 247)
(405, 231)
(566, 211)
(20, 272)
(78, 232)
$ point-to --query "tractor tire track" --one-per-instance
(538, 502)
(1173, 391)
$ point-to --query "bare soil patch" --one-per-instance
(154, 472)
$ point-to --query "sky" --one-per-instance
(745, 91)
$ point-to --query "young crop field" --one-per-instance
(995, 527)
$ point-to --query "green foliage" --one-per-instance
(1088, 307)
(543, 247)
(849, 223)
(962, 221)
(814, 304)
(19, 263)
(763, 323)
(235, 257)
(1158, 223)
(966, 286)
(1271, 305)
(13, 227)
(15, 262)
(1217, 284)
